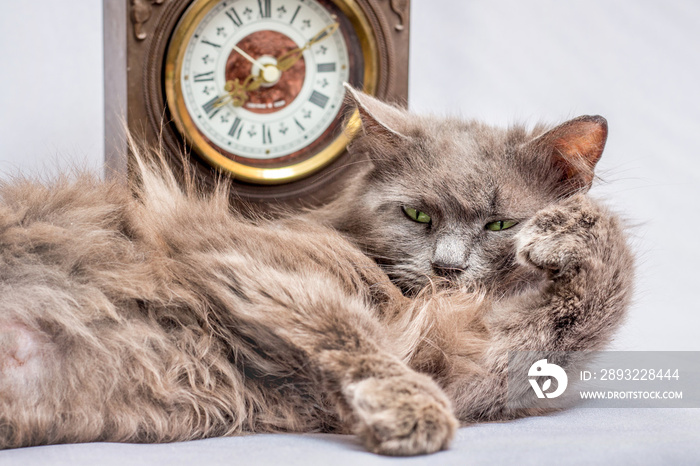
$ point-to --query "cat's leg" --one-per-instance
(393, 409)
(344, 351)
(72, 373)
(582, 250)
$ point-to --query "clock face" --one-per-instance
(256, 86)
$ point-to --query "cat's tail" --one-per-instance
(441, 328)
(161, 185)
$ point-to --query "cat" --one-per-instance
(461, 176)
(158, 313)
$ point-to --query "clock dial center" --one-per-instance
(278, 89)
(270, 73)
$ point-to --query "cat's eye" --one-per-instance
(416, 215)
(499, 225)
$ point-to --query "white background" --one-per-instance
(634, 62)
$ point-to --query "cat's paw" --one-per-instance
(402, 416)
(559, 238)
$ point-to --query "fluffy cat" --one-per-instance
(462, 176)
(161, 315)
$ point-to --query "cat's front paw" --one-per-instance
(560, 238)
(402, 416)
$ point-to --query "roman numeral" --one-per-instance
(265, 8)
(233, 16)
(322, 35)
(301, 127)
(267, 138)
(325, 67)
(236, 128)
(295, 14)
(211, 43)
(318, 99)
(210, 107)
(201, 77)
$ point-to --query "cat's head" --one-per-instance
(443, 198)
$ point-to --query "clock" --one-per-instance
(256, 86)
(251, 89)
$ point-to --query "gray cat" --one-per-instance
(159, 315)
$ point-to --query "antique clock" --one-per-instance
(251, 89)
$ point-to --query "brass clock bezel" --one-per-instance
(258, 175)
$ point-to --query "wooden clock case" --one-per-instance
(136, 37)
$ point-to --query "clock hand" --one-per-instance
(269, 73)
(248, 57)
(237, 92)
(288, 59)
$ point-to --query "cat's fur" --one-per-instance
(163, 315)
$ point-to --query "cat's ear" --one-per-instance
(575, 148)
(382, 121)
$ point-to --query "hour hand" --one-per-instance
(237, 91)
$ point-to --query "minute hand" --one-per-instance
(248, 57)
(288, 59)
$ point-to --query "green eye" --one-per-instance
(416, 215)
(499, 225)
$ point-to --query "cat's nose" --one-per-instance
(447, 270)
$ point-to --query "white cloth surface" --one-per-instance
(576, 437)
